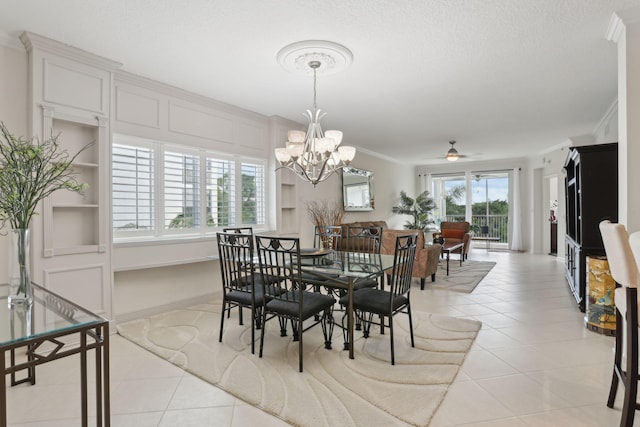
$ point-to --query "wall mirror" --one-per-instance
(357, 189)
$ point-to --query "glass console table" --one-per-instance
(50, 329)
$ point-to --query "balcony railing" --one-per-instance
(496, 225)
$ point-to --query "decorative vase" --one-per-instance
(20, 292)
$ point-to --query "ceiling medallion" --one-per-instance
(333, 57)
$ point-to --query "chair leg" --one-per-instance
(240, 320)
(422, 280)
(300, 347)
(631, 376)
(366, 329)
(327, 327)
(433, 277)
(224, 305)
(283, 326)
(410, 324)
(393, 358)
(264, 321)
(617, 360)
(253, 331)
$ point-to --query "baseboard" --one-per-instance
(141, 314)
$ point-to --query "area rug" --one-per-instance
(333, 390)
(463, 278)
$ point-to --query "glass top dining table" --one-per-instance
(339, 269)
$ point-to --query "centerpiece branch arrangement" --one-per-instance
(30, 171)
(323, 214)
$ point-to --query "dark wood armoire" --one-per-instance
(591, 196)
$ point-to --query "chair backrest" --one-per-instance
(236, 261)
(455, 225)
(279, 264)
(404, 256)
(622, 263)
(634, 242)
(364, 239)
(239, 230)
(328, 236)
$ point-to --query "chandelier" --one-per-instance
(314, 155)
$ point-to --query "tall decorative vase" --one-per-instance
(20, 292)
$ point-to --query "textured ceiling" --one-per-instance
(505, 78)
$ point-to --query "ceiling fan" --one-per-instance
(452, 154)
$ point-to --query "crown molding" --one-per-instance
(32, 40)
(619, 21)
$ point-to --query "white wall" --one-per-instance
(13, 112)
(389, 178)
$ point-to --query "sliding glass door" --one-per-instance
(490, 204)
(481, 198)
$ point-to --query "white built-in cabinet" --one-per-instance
(66, 210)
(287, 198)
(70, 93)
(288, 202)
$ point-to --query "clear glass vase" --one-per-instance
(20, 292)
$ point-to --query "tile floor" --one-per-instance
(533, 364)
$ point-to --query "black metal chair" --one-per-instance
(368, 302)
(327, 237)
(279, 258)
(238, 230)
(365, 240)
(238, 280)
(620, 250)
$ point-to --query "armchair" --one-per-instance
(426, 257)
(456, 232)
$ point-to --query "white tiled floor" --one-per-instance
(533, 364)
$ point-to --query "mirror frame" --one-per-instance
(353, 178)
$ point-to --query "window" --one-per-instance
(181, 190)
(221, 192)
(132, 188)
(253, 209)
(189, 191)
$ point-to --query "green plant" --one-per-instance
(419, 208)
(30, 170)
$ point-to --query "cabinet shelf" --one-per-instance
(73, 206)
(84, 165)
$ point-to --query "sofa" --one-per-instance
(456, 232)
(427, 256)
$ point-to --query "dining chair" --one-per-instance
(239, 280)
(620, 249)
(279, 258)
(327, 237)
(364, 240)
(238, 230)
(368, 302)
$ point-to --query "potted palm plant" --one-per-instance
(419, 209)
(30, 170)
